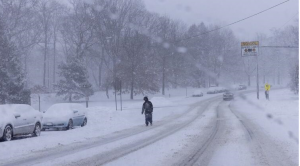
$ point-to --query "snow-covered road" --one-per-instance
(208, 131)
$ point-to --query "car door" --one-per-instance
(21, 124)
(75, 117)
(29, 115)
(31, 119)
(78, 114)
(81, 116)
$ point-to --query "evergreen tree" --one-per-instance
(75, 84)
(12, 87)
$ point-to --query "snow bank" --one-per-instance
(278, 117)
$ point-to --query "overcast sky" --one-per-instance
(223, 12)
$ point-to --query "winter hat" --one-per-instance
(146, 98)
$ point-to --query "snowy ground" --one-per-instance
(270, 125)
(277, 118)
(102, 120)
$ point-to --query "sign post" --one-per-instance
(252, 49)
(87, 101)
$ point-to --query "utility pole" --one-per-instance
(257, 78)
(121, 93)
(252, 49)
(115, 86)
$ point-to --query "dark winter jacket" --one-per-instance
(147, 107)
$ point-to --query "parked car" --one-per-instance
(242, 87)
(228, 95)
(19, 119)
(64, 116)
(198, 93)
(212, 90)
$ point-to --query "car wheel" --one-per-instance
(8, 133)
(37, 130)
(70, 124)
(84, 122)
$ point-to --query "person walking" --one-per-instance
(147, 109)
(267, 90)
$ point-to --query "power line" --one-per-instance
(233, 22)
(290, 19)
(281, 46)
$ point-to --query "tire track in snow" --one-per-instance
(205, 149)
(264, 148)
(117, 153)
(196, 154)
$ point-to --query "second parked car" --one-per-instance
(64, 116)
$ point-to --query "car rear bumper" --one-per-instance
(197, 95)
(227, 98)
(54, 125)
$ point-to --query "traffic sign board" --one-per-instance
(250, 48)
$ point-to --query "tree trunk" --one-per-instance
(26, 72)
(54, 57)
(48, 73)
(249, 80)
(106, 90)
(163, 76)
(70, 97)
(131, 91)
(45, 61)
(99, 75)
(100, 69)
(278, 77)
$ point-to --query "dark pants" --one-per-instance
(148, 118)
(267, 95)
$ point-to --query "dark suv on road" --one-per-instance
(228, 95)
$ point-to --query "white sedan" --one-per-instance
(64, 116)
(19, 119)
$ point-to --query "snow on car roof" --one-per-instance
(198, 91)
(66, 106)
(63, 109)
(7, 110)
(13, 107)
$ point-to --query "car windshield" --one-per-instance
(149, 82)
